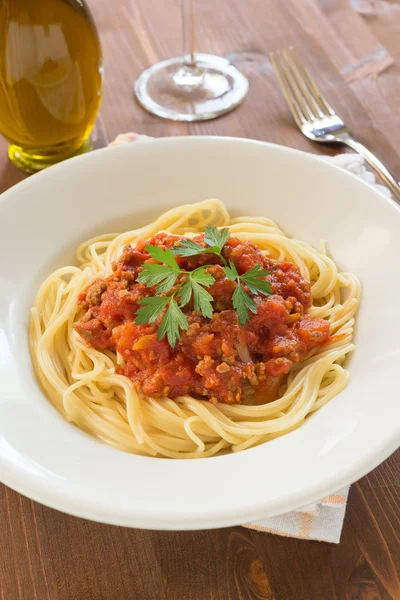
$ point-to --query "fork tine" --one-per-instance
(315, 110)
(287, 92)
(300, 97)
(318, 96)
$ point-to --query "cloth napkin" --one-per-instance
(323, 520)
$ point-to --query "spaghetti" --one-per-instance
(83, 383)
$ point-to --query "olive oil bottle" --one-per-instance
(50, 79)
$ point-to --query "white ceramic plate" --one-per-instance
(42, 221)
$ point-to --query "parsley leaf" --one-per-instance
(252, 279)
(231, 271)
(164, 256)
(213, 237)
(188, 248)
(193, 285)
(242, 303)
(202, 300)
(201, 276)
(158, 274)
(168, 283)
(185, 293)
(172, 321)
(152, 307)
(164, 276)
(153, 274)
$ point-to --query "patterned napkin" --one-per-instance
(323, 520)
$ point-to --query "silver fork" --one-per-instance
(314, 115)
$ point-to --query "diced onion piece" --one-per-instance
(145, 342)
(242, 348)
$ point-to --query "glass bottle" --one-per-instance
(50, 79)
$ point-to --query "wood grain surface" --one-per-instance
(352, 47)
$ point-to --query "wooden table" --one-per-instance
(46, 555)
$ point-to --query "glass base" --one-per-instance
(172, 89)
(33, 160)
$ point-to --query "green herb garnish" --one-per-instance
(152, 307)
(241, 301)
(214, 238)
(165, 277)
(173, 320)
(193, 284)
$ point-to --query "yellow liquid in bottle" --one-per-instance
(50, 79)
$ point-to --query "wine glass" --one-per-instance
(194, 87)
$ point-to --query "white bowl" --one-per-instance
(42, 221)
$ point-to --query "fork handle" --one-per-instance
(375, 163)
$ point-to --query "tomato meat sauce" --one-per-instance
(216, 358)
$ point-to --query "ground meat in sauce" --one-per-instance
(211, 359)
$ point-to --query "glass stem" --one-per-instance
(188, 33)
